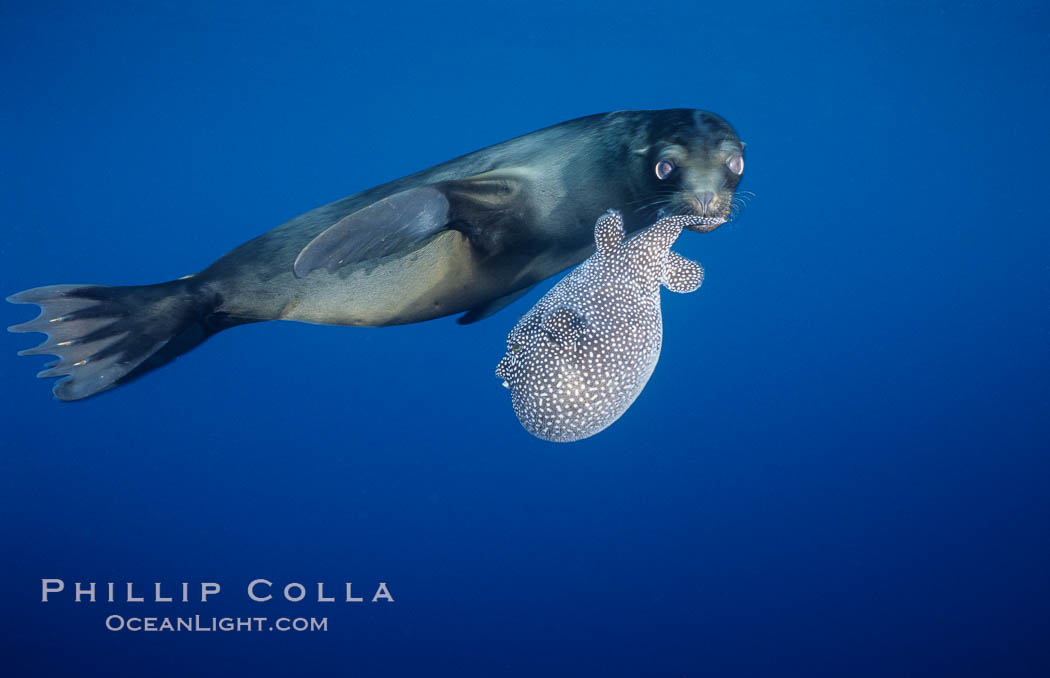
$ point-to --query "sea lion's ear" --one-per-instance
(403, 221)
(682, 275)
(564, 324)
(608, 232)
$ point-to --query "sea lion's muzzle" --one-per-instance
(711, 207)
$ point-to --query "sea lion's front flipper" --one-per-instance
(384, 227)
(403, 221)
(485, 310)
(682, 275)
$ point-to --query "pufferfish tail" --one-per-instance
(106, 336)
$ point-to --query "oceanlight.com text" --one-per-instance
(116, 622)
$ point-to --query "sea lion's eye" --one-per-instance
(664, 169)
(736, 163)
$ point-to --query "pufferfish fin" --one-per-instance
(402, 222)
(564, 324)
(608, 232)
(682, 275)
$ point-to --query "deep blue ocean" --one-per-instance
(841, 466)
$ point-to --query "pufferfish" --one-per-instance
(577, 359)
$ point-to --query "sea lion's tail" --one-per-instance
(106, 336)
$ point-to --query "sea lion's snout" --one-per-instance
(709, 208)
(706, 200)
(712, 204)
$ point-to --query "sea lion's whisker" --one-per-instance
(653, 204)
(658, 194)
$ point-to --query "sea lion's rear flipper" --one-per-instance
(682, 275)
(404, 221)
(105, 336)
(485, 310)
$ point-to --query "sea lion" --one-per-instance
(581, 356)
(469, 235)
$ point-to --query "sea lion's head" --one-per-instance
(689, 163)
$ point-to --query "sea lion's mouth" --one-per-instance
(706, 224)
(705, 216)
(697, 223)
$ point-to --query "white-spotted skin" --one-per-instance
(578, 359)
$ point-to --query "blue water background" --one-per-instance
(840, 466)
